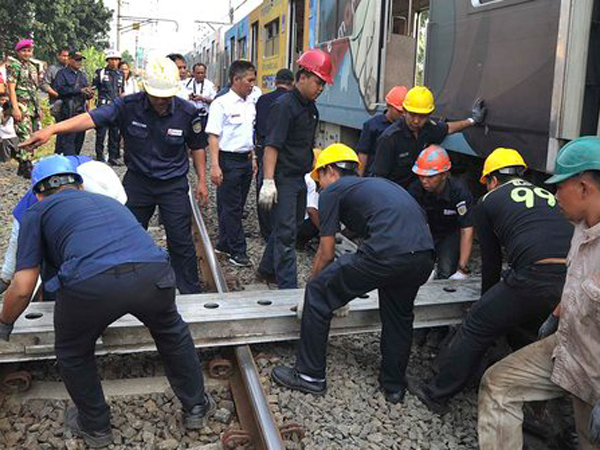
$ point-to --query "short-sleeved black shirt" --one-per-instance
(291, 130)
(389, 219)
(526, 221)
(367, 143)
(398, 149)
(447, 211)
(263, 108)
(155, 146)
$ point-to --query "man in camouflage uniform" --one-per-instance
(22, 77)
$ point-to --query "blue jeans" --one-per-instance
(287, 215)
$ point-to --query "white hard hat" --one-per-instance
(161, 78)
(113, 54)
(99, 178)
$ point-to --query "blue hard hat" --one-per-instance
(51, 166)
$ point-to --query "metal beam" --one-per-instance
(237, 318)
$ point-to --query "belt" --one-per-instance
(551, 261)
(237, 155)
(122, 269)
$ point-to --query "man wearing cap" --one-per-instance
(74, 91)
(400, 144)
(108, 81)
(288, 156)
(372, 129)
(108, 266)
(520, 220)
(284, 81)
(157, 129)
(62, 58)
(396, 257)
(565, 360)
(448, 204)
(22, 81)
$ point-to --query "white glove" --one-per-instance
(268, 194)
(459, 276)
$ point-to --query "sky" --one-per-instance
(165, 37)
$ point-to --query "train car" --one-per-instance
(535, 62)
(211, 52)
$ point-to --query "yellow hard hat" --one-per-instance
(333, 154)
(419, 100)
(500, 159)
(161, 78)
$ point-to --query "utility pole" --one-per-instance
(118, 25)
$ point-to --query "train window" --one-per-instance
(336, 19)
(242, 54)
(272, 38)
(254, 42)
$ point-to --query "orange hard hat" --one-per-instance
(395, 97)
(317, 62)
(433, 160)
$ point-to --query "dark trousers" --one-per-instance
(279, 257)
(69, 144)
(82, 313)
(306, 232)
(524, 298)
(447, 252)
(171, 196)
(113, 143)
(231, 199)
(397, 280)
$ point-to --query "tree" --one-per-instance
(128, 58)
(94, 59)
(54, 24)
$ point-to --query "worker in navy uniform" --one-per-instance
(524, 221)
(109, 83)
(157, 128)
(372, 129)
(230, 131)
(108, 266)
(288, 156)
(400, 144)
(396, 257)
(448, 203)
(284, 81)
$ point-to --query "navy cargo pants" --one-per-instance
(348, 277)
(81, 314)
(171, 196)
(279, 258)
(524, 298)
(447, 253)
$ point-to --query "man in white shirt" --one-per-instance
(310, 227)
(198, 89)
(230, 132)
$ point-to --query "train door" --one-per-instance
(403, 51)
(296, 32)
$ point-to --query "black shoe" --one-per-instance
(94, 439)
(114, 163)
(421, 391)
(100, 158)
(290, 378)
(394, 396)
(239, 260)
(222, 251)
(265, 277)
(196, 418)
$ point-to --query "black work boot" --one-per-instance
(94, 439)
(422, 392)
(25, 168)
(196, 418)
(290, 378)
(394, 396)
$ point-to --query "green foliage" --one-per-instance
(128, 58)
(48, 147)
(422, 23)
(54, 24)
(94, 59)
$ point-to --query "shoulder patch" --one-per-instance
(197, 127)
(461, 207)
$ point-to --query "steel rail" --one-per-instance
(263, 428)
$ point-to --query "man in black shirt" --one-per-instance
(284, 81)
(396, 257)
(401, 143)
(525, 221)
(448, 203)
(288, 157)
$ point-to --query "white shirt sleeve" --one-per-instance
(216, 118)
(312, 196)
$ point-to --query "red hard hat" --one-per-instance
(431, 161)
(396, 96)
(317, 62)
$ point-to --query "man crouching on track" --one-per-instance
(396, 258)
(108, 267)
